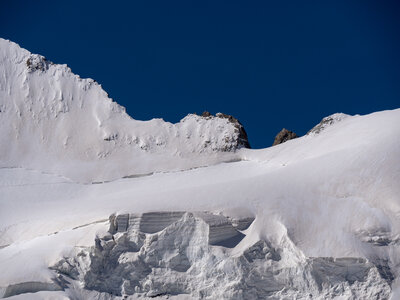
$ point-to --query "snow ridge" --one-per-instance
(54, 121)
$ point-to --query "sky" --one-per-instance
(271, 64)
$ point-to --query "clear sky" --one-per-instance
(271, 64)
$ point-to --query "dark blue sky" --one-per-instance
(271, 64)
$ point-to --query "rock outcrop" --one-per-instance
(242, 139)
(327, 122)
(283, 136)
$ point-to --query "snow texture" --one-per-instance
(96, 205)
(57, 122)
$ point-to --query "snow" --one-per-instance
(55, 121)
(323, 204)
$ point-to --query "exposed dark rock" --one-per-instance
(37, 63)
(283, 136)
(327, 122)
(206, 114)
(242, 140)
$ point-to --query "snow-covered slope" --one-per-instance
(55, 121)
(317, 217)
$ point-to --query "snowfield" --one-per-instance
(97, 205)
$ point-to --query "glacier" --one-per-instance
(97, 205)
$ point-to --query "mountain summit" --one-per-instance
(56, 121)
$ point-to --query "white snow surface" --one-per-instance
(55, 121)
(326, 206)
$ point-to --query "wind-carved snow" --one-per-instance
(175, 253)
(317, 217)
(55, 121)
